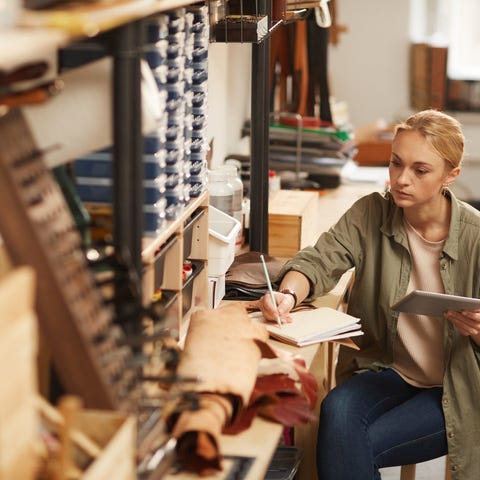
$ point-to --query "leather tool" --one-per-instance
(34, 96)
(28, 71)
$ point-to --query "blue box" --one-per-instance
(100, 165)
(100, 190)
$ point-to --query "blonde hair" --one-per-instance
(442, 132)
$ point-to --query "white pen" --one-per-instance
(270, 289)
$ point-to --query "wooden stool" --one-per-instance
(407, 472)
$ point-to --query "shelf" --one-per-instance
(41, 32)
(91, 19)
(151, 245)
(241, 29)
(27, 45)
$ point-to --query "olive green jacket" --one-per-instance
(370, 237)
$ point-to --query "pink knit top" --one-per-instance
(419, 352)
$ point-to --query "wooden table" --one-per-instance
(262, 438)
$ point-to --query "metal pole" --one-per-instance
(127, 142)
(260, 108)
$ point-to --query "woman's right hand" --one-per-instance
(285, 303)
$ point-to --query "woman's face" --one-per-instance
(417, 172)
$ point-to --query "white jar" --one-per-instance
(237, 185)
(220, 191)
(273, 182)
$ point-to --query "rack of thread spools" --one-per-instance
(175, 153)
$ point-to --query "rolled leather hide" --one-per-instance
(223, 349)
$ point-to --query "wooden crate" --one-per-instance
(92, 444)
(115, 433)
(18, 349)
(292, 222)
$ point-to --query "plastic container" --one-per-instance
(187, 290)
(154, 218)
(234, 180)
(101, 165)
(222, 231)
(221, 191)
(273, 182)
(159, 261)
(100, 190)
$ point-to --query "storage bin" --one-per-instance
(222, 231)
(154, 217)
(216, 290)
(188, 300)
(74, 56)
(100, 190)
(100, 165)
(159, 261)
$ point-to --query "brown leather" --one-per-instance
(247, 270)
(279, 54)
(301, 65)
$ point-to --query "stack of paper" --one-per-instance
(315, 326)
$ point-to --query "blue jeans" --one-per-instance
(375, 420)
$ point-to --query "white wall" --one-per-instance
(368, 69)
(229, 67)
(362, 72)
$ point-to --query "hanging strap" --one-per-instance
(318, 67)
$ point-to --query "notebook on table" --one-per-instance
(315, 326)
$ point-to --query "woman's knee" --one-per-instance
(339, 403)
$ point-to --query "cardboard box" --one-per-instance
(373, 153)
(292, 222)
(374, 144)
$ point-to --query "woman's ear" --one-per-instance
(452, 175)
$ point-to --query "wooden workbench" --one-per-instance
(262, 438)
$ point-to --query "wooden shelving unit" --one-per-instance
(120, 25)
(184, 240)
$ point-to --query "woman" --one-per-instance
(412, 391)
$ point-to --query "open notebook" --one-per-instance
(316, 325)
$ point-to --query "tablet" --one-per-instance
(434, 304)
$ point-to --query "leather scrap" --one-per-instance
(239, 376)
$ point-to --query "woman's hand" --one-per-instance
(284, 305)
(466, 322)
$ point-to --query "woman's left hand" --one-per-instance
(466, 322)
